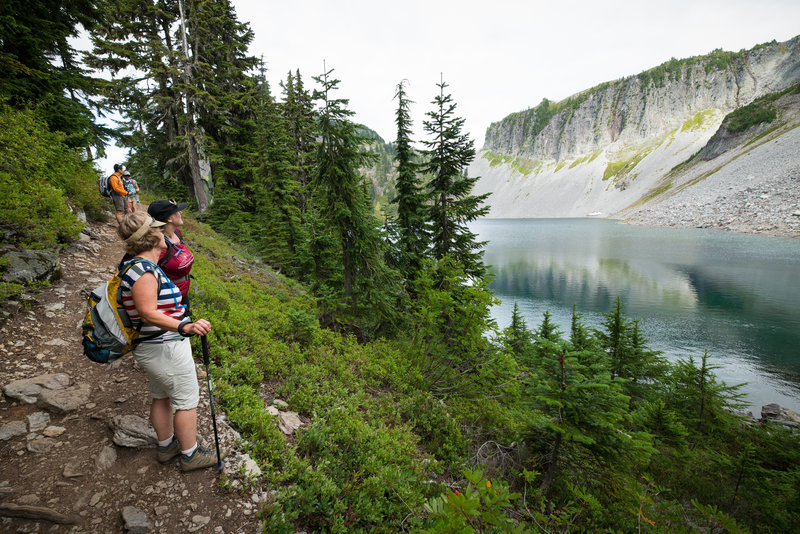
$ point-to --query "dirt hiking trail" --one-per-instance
(62, 468)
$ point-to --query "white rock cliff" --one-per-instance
(608, 150)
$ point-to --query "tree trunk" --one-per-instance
(552, 466)
(194, 156)
(194, 165)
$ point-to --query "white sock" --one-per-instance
(188, 452)
(165, 442)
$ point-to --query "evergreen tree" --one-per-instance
(658, 419)
(299, 115)
(647, 367)
(580, 336)
(367, 288)
(185, 93)
(700, 397)
(39, 67)
(614, 341)
(518, 338)
(628, 354)
(411, 229)
(221, 89)
(136, 40)
(584, 411)
(547, 336)
(277, 188)
(450, 321)
(314, 252)
(451, 204)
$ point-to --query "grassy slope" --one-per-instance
(360, 459)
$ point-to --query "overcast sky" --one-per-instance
(498, 56)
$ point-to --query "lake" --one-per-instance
(737, 295)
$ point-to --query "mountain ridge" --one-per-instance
(615, 147)
(631, 110)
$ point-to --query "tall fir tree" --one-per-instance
(299, 114)
(136, 44)
(411, 229)
(40, 69)
(366, 297)
(222, 88)
(277, 188)
(185, 93)
(451, 202)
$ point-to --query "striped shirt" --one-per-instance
(169, 301)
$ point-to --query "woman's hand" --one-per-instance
(200, 327)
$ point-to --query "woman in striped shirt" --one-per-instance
(153, 303)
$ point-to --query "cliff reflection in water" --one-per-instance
(736, 295)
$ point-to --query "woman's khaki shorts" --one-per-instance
(119, 202)
(171, 370)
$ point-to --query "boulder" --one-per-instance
(28, 390)
(64, 400)
(135, 521)
(133, 431)
(25, 266)
(775, 413)
(289, 422)
(12, 429)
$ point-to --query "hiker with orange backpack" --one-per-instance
(118, 192)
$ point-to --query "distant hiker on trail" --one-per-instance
(176, 260)
(133, 191)
(118, 192)
(152, 303)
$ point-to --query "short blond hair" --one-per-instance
(133, 222)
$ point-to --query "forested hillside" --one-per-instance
(420, 414)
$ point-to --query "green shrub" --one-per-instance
(750, 115)
(42, 182)
(482, 506)
(358, 475)
(758, 111)
(437, 428)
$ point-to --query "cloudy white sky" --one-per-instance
(498, 56)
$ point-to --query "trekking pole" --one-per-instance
(220, 463)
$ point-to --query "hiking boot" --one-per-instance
(171, 452)
(201, 458)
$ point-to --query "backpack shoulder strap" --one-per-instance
(168, 254)
(131, 263)
(120, 274)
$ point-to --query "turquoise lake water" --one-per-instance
(736, 295)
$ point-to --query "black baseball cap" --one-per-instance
(160, 210)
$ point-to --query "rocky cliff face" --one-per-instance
(644, 108)
(615, 146)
